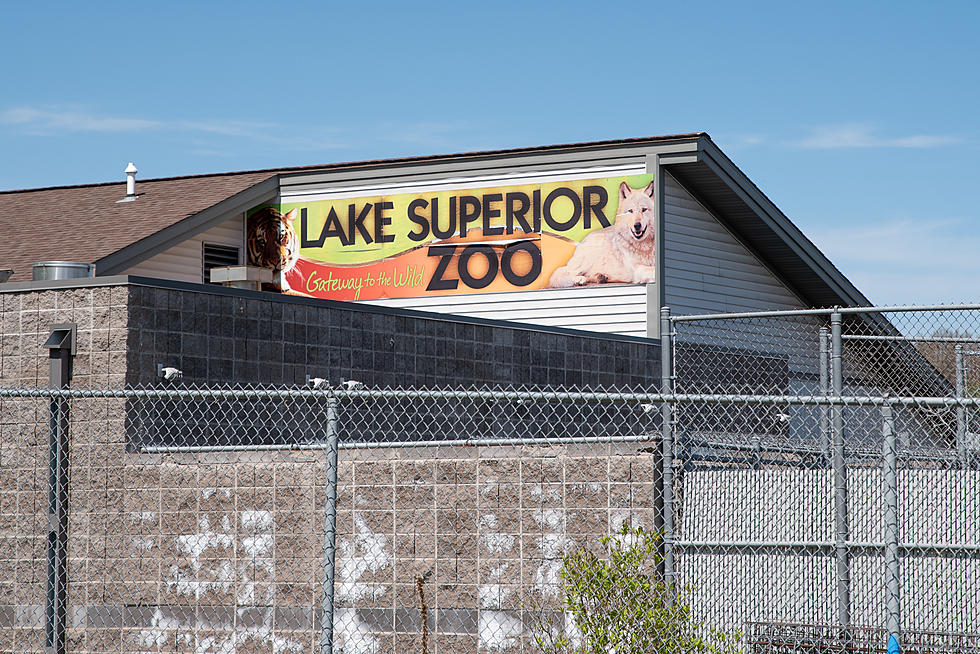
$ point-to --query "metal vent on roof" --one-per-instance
(54, 270)
(216, 256)
(130, 183)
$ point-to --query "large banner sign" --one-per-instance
(511, 238)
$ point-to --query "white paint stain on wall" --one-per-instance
(256, 520)
(494, 541)
(198, 580)
(365, 552)
(144, 520)
(498, 630)
(218, 558)
(552, 543)
(538, 491)
(492, 596)
(248, 640)
(156, 636)
(353, 635)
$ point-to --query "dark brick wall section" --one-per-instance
(247, 338)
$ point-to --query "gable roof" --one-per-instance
(87, 223)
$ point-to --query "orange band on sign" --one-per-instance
(474, 264)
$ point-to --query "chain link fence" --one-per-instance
(856, 498)
(795, 482)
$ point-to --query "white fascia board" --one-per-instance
(474, 181)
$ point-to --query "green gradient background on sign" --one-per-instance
(359, 252)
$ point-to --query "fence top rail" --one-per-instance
(751, 314)
(912, 339)
(908, 308)
(647, 400)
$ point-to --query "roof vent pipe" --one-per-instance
(131, 180)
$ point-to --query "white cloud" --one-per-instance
(426, 133)
(226, 128)
(72, 121)
(737, 142)
(47, 121)
(908, 261)
(861, 135)
(211, 152)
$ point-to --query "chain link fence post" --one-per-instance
(960, 374)
(890, 478)
(824, 391)
(330, 526)
(840, 481)
(667, 478)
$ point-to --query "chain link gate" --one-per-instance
(860, 505)
(793, 489)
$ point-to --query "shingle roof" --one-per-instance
(86, 223)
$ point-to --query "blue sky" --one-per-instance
(860, 121)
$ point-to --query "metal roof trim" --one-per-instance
(723, 167)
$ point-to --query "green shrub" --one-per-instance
(619, 604)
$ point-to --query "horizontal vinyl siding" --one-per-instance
(183, 262)
(707, 270)
(608, 309)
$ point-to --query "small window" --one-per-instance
(216, 256)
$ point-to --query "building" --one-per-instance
(184, 535)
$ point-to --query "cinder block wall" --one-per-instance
(102, 316)
(483, 528)
(175, 552)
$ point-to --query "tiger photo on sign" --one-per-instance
(623, 253)
(273, 243)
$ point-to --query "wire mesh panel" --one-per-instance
(202, 519)
(460, 506)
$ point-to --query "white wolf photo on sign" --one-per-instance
(622, 253)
